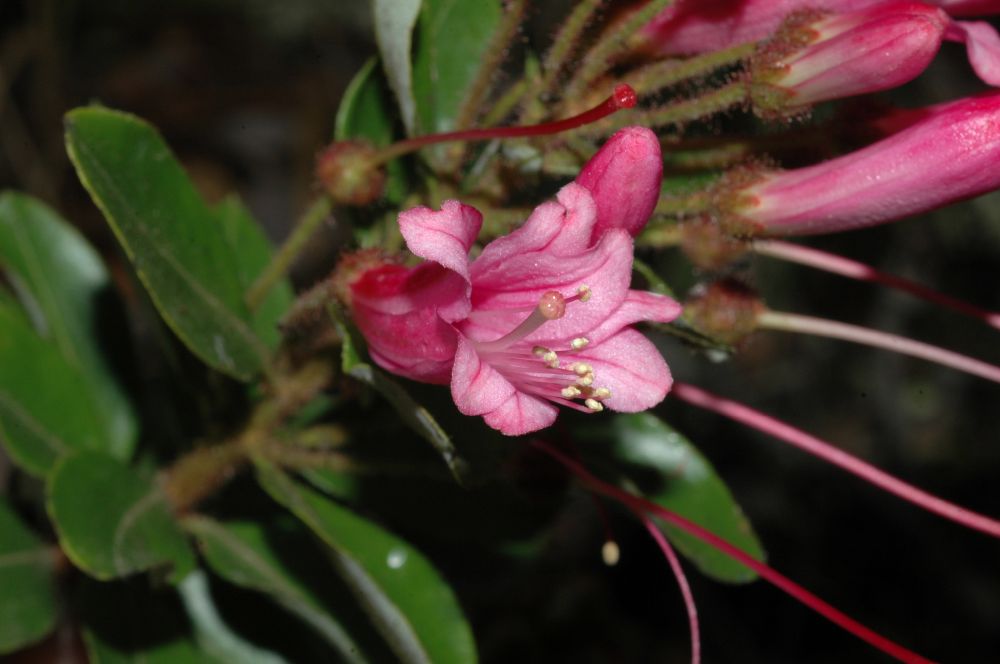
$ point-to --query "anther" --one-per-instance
(582, 368)
(584, 292)
(552, 305)
(594, 405)
(610, 553)
(539, 351)
(571, 392)
(601, 393)
(550, 358)
(585, 381)
(579, 343)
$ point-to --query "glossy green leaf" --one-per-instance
(111, 521)
(252, 251)
(241, 554)
(366, 112)
(415, 416)
(451, 40)
(176, 243)
(210, 630)
(394, 21)
(684, 481)
(134, 622)
(60, 280)
(28, 607)
(410, 604)
(45, 410)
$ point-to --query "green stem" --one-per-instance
(611, 45)
(289, 251)
(667, 73)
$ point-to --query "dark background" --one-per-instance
(245, 93)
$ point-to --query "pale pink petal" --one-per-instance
(632, 368)
(476, 387)
(556, 228)
(524, 278)
(443, 236)
(638, 306)
(624, 179)
(521, 414)
(983, 46)
(417, 345)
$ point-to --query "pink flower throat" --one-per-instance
(538, 370)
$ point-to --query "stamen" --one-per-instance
(584, 292)
(594, 405)
(571, 392)
(610, 553)
(585, 381)
(579, 343)
(582, 368)
(601, 393)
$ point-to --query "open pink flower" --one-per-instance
(541, 317)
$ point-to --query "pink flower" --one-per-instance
(688, 27)
(542, 316)
(949, 154)
(846, 54)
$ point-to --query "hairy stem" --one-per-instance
(787, 322)
(666, 73)
(827, 452)
(282, 261)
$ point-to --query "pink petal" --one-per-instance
(624, 179)
(637, 307)
(520, 282)
(632, 368)
(476, 387)
(521, 414)
(443, 236)
(983, 46)
(557, 228)
(417, 345)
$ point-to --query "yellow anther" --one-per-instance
(582, 369)
(586, 380)
(602, 393)
(610, 553)
(539, 351)
(571, 392)
(594, 405)
(550, 358)
(579, 343)
(584, 292)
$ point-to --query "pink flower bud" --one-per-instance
(950, 154)
(624, 179)
(846, 55)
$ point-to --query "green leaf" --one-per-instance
(28, 608)
(241, 554)
(133, 622)
(366, 112)
(410, 604)
(60, 280)
(45, 410)
(112, 522)
(394, 21)
(415, 416)
(176, 243)
(252, 251)
(451, 41)
(684, 481)
(210, 630)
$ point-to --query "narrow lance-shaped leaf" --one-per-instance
(241, 554)
(28, 607)
(45, 411)
(61, 281)
(408, 601)
(113, 522)
(177, 244)
(643, 447)
(394, 21)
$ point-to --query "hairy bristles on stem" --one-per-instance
(675, 567)
(821, 327)
(680, 112)
(852, 269)
(563, 46)
(641, 507)
(667, 73)
(827, 452)
(623, 96)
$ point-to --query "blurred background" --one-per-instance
(245, 93)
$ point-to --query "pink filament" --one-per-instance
(675, 566)
(767, 424)
(855, 270)
(642, 506)
(787, 322)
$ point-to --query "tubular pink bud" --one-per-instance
(817, 59)
(948, 156)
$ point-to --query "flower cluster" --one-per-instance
(542, 317)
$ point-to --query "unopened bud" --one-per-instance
(350, 174)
